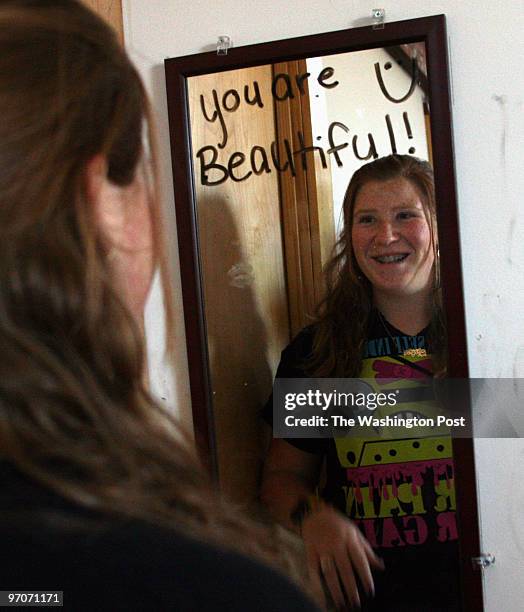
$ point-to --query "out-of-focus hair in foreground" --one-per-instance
(75, 414)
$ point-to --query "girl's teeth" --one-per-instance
(391, 258)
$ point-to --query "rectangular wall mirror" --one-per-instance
(264, 141)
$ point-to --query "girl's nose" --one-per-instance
(386, 233)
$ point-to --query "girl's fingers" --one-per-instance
(316, 582)
(347, 576)
(329, 571)
(359, 560)
(372, 556)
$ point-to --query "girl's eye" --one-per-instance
(365, 219)
(406, 214)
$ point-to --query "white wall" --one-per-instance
(486, 59)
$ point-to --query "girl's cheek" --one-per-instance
(420, 229)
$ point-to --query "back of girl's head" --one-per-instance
(67, 94)
(70, 349)
(74, 413)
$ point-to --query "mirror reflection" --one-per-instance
(273, 149)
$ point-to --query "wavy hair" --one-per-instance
(343, 315)
(75, 414)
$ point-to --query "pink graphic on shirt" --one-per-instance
(387, 371)
(377, 477)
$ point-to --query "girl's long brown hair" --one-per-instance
(75, 414)
(343, 316)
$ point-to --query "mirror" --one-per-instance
(264, 142)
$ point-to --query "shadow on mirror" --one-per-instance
(271, 148)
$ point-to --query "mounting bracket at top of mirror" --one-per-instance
(378, 16)
(224, 43)
(483, 561)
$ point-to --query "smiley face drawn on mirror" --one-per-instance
(382, 85)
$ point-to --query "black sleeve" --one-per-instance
(107, 563)
(292, 365)
(186, 575)
(136, 567)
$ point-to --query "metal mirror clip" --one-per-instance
(224, 43)
(378, 16)
(484, 561)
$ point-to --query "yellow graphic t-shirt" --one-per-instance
(399, 490)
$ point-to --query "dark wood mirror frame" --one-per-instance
(431, 31)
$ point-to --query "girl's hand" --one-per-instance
(337, 551)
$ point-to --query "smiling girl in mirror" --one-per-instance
(382, 533)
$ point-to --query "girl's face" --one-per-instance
(392, 239)
(124, 217)
(134, 263)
